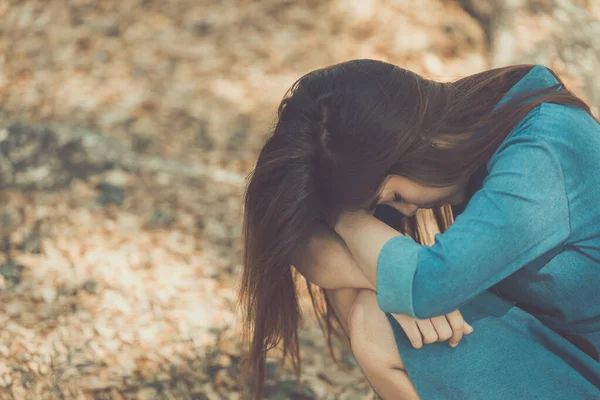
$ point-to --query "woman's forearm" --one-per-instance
(326, 262)
(364, 236)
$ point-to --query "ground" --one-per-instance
(121, 284)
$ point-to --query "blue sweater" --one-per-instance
(531, 232)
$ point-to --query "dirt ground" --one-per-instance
(121, 285)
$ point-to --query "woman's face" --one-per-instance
(407, 196)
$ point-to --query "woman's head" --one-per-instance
(357, 122)
(347, 128)
(344, 135)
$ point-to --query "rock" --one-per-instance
(93, 383)
(117, 177)
(11, 272)
(146, 394)
(29, 159)
(36, 157)
(90, 286)
(288, 389)
(110, 194)
(337, 377)
(48, 294)
(160, 219)
(199, 28)
(203, 138)
(32, 243)
(108, 27)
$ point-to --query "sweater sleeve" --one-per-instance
(521, 213)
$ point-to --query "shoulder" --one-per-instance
(562, 118)
(554, 128)
(551, 121)
(527, 131)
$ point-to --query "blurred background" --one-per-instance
(127, 128)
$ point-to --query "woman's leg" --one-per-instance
(375, 349)
(501, 359)
(342, 301)
(372, 342)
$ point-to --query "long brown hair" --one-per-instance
(340, 131)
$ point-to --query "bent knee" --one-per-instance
(371, 335)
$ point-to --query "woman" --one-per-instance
(512, 150)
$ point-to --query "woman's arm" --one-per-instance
(520, 214)
(326, 262)
(365, 236)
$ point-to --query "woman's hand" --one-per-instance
(437, 329)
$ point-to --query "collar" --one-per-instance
(538, 78)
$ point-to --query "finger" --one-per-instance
(442, 328)
(468, 329)
(410, 328)
(427, 330)
(457, 323)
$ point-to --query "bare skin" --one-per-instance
(328, 263)
(407, 196)
(372, 342)
(375, 352)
